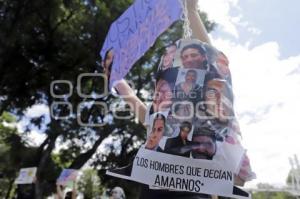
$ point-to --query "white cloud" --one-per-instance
(218, 11)
(267, 100)
(37, 110)
(254, 30)
(36, 138)
(266, 94)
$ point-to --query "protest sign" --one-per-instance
(26, 176)
(180, 173)
(193, 139)
(67, 176)
(135, 31)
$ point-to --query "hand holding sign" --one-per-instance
(133, 33)
(67, 176)
(26, 176)
(189, 88)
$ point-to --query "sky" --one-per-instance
(260, 39)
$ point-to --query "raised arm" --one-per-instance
(59, 192)
(136, 105)
(124, 90)
(196, 24)
(74, 191)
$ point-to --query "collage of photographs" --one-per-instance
(191, 115)
(192, 103)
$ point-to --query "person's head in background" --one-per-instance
(68, 195)
(157, 131)
(193, 56)
(117, 193)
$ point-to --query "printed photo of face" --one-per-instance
(184, 131)
(214, 100)
(193, 56)
(223, 65)
(204, 147)
(188, 84)
(157, 131)
(191, 77)
(162, 95)
(179, 145)
(168, 57)
(187, 87)
(183, 111)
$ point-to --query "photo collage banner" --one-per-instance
(193, 138)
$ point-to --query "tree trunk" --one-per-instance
(84, 157)
(44, 159)
(45, 155)
(11, 182)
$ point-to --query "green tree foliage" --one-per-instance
(291, 176)
(16, 153)
(272, 195)
(90, 184)
(7, 174)
(43, 41)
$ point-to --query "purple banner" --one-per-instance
(136, 30)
